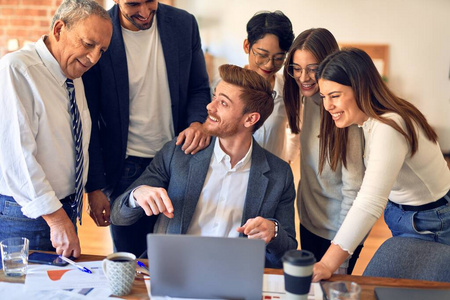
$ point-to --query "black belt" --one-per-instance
(441, 202)
(69, 199)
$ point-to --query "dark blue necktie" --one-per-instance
(77, 132)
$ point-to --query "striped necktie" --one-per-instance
(77, 132)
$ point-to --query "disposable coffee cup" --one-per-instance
(298, 268)
(120, 269)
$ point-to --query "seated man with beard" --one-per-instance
(231, 188)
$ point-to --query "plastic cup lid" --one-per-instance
(299, 257)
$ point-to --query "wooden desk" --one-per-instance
(139, 291)
(369, 283)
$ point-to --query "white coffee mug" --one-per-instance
(120, 269)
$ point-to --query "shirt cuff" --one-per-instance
(43, 205)
(131, 200)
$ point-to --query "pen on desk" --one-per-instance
(81, 268)
(141, 264)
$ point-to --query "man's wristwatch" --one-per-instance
(276, 228)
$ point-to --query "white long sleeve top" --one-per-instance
(274, 135)
(37, 151)
(391, 173)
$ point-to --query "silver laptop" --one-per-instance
(199, 267)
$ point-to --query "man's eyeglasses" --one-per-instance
(262, 59)
(295, 71)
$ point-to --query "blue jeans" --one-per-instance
(132, 238)
(13, 223)
(430, 225)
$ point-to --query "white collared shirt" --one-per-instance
(221, 203)
(37, 153)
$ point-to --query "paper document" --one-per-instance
(46, 277)
(17, 291)
(273, 288)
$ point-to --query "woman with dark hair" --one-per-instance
(269, 36)
(323, 200)
(405, 169)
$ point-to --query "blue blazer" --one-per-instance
(107, 91)
(270, 193)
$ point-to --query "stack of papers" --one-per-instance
(17, 291)
(273, 288)
(41, 278)
(47, 277)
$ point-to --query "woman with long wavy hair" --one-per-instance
(323, 200)
(406, 173)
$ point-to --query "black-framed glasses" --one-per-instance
(262, 59)
(295, 71)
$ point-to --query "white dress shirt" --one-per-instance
(37, 152)
(391, 173)
(221, 203)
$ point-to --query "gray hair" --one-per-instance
(73, 11)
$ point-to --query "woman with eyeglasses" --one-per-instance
(269, 36)
(406, 174)
(323, 199)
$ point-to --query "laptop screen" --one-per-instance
(205, 267)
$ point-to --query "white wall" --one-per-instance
(417, 31)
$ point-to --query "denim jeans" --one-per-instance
(13, 223)
(430, 225)
(132, 238)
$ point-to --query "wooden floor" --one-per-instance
(97, 240)
(93, 239)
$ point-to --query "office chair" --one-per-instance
(402, 257)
